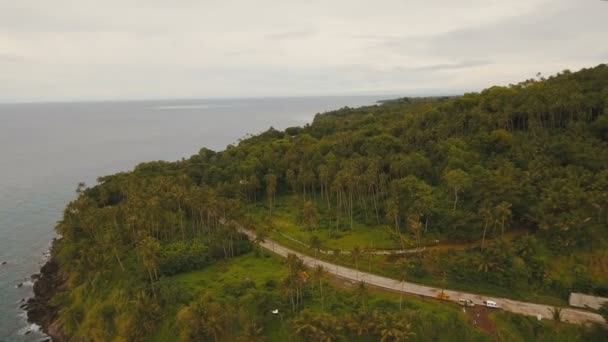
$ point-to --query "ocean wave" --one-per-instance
(28, 329)
(27, 283)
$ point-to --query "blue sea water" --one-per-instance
(47, 148)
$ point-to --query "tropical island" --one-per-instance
(499, 196)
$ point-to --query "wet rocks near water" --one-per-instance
(48, 282)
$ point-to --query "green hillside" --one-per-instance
(506, 190)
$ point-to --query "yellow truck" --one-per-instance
(442, 296)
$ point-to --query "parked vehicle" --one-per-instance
(442, 296)
(491, 304)
(466, 302)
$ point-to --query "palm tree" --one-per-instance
(556, 314)
(369, 252)
(315, 243)
(260, 237)
(316, 326)
(336, 254)
(415, 226)
(211, 317)
(458, 180)
(358, 323)
(253, 333)
(362, 293)
(293, 282)
(503, 210)
(394, 328)
(271, 189)
(150, 249)
(486, 213)
(147, 312)
(356, 254)
(319, 273)
(309, 215)
(403, 266)
(392, 213)
(486, 265)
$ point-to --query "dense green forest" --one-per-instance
(506, 188)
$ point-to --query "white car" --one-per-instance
(491, 304)
(466, 302)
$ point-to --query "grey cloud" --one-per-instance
(451, 66)
(88, 49)
(555, 28)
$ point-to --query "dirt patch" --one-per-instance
(339, 282)
(479, 317)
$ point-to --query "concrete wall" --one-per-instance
(586, 301)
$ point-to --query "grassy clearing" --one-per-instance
(285, 221)
(247, 267)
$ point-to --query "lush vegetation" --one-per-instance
(507, 189)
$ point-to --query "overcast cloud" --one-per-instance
(90, 50)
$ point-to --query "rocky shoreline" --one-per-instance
(38, 308)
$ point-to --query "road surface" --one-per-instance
(531, 309)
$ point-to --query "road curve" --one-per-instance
(531, 309)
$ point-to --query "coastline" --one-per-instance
(38, 308)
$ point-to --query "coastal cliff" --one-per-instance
(39, 309)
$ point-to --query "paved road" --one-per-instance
(525, 308)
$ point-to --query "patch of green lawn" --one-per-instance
(242, 268)
(285, 222)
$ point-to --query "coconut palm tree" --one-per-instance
(260, 237)
(403, 266)
(394, 328)
(316, 244)
(253, 332)
(318, 273)
(458, 180)
(271, 190)
(503, 211)
(316, 326)
(488, 217)
(355, 253)
(415, 226)
(362, 294)
(359, 323)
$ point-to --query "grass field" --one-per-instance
(285, 222)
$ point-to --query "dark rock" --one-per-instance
(4, 262)
(19, 285)
(39, 311)
(36, 276)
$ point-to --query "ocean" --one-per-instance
(47, 148)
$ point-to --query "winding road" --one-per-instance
(531, 309)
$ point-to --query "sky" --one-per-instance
(75, 50)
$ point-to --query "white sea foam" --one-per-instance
(27, 283)
(28, 329)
